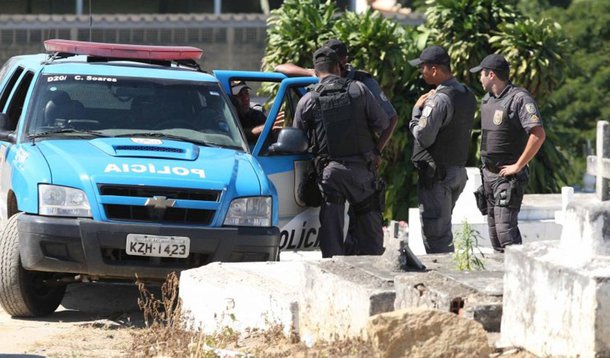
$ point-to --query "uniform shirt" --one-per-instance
(361, 96)
(437, 112)
(522, 109)
(375, 89)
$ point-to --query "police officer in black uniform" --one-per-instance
(512, 135)
(349, 72)
(341, 119)
(441, 125)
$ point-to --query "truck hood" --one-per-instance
(138, 161)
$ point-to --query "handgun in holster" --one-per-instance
(430, 173)
(511, 197)
(380, 192)
(481, 199)
(479, 195)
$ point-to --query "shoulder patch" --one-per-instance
(427, 111)
(530, 108)
(534, 119)
(423, 122)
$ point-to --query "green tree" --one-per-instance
(582, 100)
(296, 30)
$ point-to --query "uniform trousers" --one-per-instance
(354, 182)
(436, 202)
(502, 217)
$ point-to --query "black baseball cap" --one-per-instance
(338, 46)
(493, 62)
(325, 55)
(432, 54)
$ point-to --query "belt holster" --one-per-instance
(429, 173)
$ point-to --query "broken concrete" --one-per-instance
(475, 294)
(318, 300)
(427, 333)
(328, 299)
(340, 295)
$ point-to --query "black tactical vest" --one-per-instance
(340, 125)
(452, 141)
(503, 137)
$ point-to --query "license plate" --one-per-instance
(158, 246)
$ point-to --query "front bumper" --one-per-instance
(84, 246)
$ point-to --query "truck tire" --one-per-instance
(24, 293)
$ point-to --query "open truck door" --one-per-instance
(299, 224)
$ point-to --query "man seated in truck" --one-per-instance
(251, 116)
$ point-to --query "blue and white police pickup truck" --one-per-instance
(122, 160)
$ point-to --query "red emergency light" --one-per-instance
(124, 51)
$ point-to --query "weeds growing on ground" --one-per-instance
(464, 256)
(166, 333)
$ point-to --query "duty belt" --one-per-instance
(492, 169)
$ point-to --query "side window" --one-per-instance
(290, 105)
(9, 87)
(16, 105)
(285, 116)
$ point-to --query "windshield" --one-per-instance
(109, 106)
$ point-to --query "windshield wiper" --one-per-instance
(67, 130)
(167, 136)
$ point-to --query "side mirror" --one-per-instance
(6, 133)
(290, 141)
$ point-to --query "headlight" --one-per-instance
(62, 201)
(254, 211)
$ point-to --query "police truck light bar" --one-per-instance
(139, 52)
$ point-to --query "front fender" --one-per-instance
(27, 167)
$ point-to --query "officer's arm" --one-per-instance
(376, 90)
(385, 136)
(531, 121)
(292, 70)
(534, 142)
(385, 104)
(299, 113)
(430, 119)
(377, 118)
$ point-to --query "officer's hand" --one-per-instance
(422, 99)
(509, 170)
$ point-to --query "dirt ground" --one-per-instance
(95, 320)
(100, 320)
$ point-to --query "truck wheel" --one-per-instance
(24, 293)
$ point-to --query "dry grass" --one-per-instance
(165, 335)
